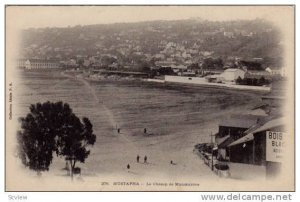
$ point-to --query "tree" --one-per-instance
(143, 66)
(211, 63)
(73, 140)
(262, 81)
(107, 60)
(80, 62)
(252, 65)
(194, 66)
(53, 127)
(239, 80)
(254, 81)
(166, 71)
(36, 138)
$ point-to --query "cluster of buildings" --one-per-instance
(158, 40)
(254, 139)
(184, 73)
(182, 46)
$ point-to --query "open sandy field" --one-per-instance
(176, 118)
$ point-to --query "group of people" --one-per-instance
(138, 157)
(145, 161)
(138, 161)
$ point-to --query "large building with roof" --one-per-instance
(231, 75)
(38, 64)
(231, 129)
(262, 144)
(228, 76)
(251, 147)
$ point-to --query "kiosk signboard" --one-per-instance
(274, 146)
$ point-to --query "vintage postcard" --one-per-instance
(150, 98)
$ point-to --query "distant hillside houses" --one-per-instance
(182, 40)
(229, 34)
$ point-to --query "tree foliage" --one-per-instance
(251, 65)
(239, 80)
(74, 139)
(252, 81)
(53, 127)
(211, 63)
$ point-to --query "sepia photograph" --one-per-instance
(149, 98)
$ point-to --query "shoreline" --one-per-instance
(170, 85)
(151, 106)
(201, 81)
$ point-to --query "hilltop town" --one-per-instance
(190, 43)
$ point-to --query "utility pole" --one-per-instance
(212, 151)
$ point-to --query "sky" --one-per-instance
(23, 17)
(63, 16)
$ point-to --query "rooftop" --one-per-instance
(42, 60)
(233, 70)
(268, 125)
(271, 124)
(240, 121)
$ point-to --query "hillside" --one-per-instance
(196, 38)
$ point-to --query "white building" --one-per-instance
(41, 64)
(276, 71)
(230, 75)
(229, 34)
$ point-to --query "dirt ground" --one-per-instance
(176, 118)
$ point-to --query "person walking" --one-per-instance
(138, 158)
(128, 166)
(119, 130)
(145, 130)
(145, 159)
